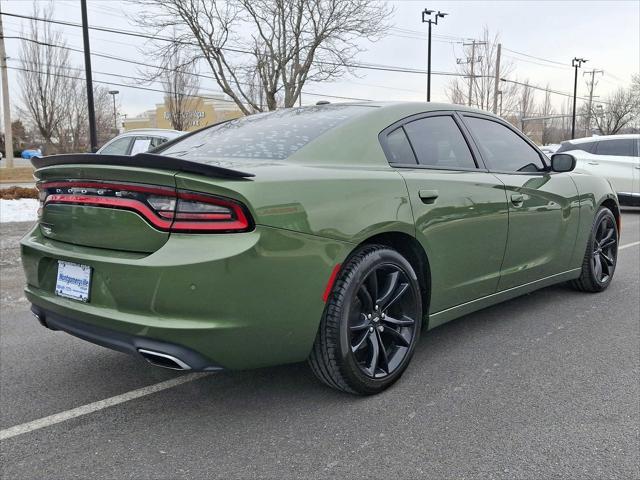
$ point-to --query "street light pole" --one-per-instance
(93, 136)
(575, 63)
(425, 19)
(115, 114)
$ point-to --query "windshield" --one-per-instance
(273, 135)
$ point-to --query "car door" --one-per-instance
(615, 160)
(460, 210)
(543, 206)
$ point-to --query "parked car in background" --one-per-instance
(550, 149)
(615, 157)
(31, 152)
(138, 141)
(333, 233)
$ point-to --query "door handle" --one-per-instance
(637, 166)
(517, 199)
(428, 196)
(593, 163)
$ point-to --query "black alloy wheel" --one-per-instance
(382, 321)
(371, 323)
(599, 262)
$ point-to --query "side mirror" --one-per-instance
(562, 162)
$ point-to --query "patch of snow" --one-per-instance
(22, 210)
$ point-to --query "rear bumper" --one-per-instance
(186, 358)
(237, 301)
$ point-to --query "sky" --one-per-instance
(607, 33)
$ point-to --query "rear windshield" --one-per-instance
(273, 135)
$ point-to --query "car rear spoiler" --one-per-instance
(145, 160)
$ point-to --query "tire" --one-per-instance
(599, 263)
(363, 346)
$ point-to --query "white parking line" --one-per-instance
(99, 405)
(622, 247)
(125, 397)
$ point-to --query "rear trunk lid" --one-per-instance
(112, 202)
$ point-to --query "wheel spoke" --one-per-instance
(361, 341)
(372, 285)
(608, 243)
(390, 288)
(397, 337)
(365, 298)
(384, 359)
(401, 290)
(375, 353)
(606, 238)
(608, 260)
(402, 322)
(597, 267)
(361, 326)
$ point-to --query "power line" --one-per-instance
(537, 58)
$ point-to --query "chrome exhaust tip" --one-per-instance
(163, 360)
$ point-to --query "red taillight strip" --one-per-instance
(132, 187)
(112, 202)
(240, 223)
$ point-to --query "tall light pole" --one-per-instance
(575, 63)
(93, 136)
(115, 114)
(426, 18)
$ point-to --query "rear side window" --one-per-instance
(622, 147)
(274, 135)
(584, 146)
(438, 142)
(502, 149)
(399, 148)
(117, 147)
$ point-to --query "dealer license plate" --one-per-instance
(74, 281)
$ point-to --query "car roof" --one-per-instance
(599, 138)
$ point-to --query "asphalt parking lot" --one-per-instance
(546, 385)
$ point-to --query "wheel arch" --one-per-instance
(612, 205)
(410, 249)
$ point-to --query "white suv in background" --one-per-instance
(138, 141)
(615, 157)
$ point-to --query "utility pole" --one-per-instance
(471, 60)
(575, 63)
(591, 87)
(8, 134)
(113, 93)
(87, 67)
(496, 82)
(427, 13)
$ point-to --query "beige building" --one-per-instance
(201, 112)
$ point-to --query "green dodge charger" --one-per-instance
(331, 233)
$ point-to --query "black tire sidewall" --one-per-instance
(361, 269)
(602, 213)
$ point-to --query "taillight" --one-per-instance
(164, 208)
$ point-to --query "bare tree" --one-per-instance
(483, 79)
(525, 106)
(180, 85)
(620, 109)
(291, 42)
(44, 77)
(546, 111)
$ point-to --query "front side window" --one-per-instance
(119, 146)
(438, 142)
(622, 147)
(502, 149)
